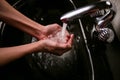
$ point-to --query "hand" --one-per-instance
(51, 45)
(51, 29)
(55, 47)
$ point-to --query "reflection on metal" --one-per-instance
(83, 11)
(105, 33)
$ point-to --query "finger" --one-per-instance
(70, 41)
(57, 26)
(68, 45)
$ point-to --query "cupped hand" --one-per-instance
(51, 29)
(56, 47)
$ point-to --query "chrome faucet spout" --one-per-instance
(91, 8)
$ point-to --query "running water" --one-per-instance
(60, 36)
(63, 32)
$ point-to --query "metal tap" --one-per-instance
(101, 21)
(86, 10)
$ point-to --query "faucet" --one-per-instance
(101, 21)
(86, 10)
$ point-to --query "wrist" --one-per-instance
(40, 32)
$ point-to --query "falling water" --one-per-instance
(60, 36)
(63, 32)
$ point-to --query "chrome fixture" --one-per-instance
(80, 12)
(102, 15)
(105, 33)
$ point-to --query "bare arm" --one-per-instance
(13, 17)
(12, 53)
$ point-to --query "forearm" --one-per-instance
(13, 17)
(12, 53)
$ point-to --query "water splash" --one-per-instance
(60, 36)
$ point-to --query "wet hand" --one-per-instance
(56, 47)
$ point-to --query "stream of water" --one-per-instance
(60, 36)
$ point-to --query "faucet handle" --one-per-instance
(102, 21)
(106, 35)
(104, 32)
